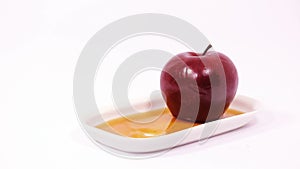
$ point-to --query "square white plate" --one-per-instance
(146, 145)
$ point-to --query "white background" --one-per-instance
(40, 42)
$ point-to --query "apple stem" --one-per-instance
(207, 48)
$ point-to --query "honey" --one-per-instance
(151, 124)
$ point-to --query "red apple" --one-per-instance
(188, 81)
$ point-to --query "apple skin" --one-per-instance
(195, 72)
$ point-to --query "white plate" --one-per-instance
(145, 145)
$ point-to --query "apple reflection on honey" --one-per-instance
(180, 113)
(164, 123)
